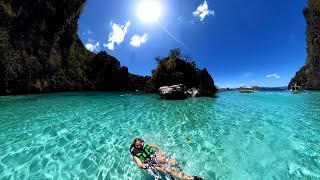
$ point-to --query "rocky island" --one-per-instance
(175, 78)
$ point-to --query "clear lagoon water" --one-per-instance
(86, 135)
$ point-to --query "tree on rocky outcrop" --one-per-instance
(174, 70)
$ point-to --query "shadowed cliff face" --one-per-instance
(39, 47)
(309, 75)
(40, 51)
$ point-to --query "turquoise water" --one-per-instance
(265, 135)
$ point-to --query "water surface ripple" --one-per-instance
(265, 135)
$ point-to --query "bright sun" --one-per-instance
(149, 10)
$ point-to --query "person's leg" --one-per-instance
(173, 173)
(164, 160)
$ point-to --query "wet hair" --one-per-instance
(135, 140)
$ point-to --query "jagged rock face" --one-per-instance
(39, 47)
(106, 73)
(309, 75)
(137, 82)
(206, 83)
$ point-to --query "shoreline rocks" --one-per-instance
(174, 92)
(178, 92)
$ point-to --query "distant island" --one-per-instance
(308, 77)
(40, 52)
(257, 88)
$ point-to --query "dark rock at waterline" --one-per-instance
(173, 92)
(206, 83)
(309, 75)
(106, 74)
(179, 91)
(193, 92)
(137, 83)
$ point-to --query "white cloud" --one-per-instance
(117, 35)
(203, 11)
(93, 47)
(136, 40)
(253, 81)
(273, 75)
(110, 46)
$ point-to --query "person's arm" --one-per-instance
(139, 163)
(157, 148)
(154, 146)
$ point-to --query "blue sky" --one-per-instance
(247, 42)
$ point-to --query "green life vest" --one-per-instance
(143, 154)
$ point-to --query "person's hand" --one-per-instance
(144, 166)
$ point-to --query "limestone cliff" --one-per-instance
(309, 75)
(40, 51)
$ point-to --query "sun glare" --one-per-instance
(149, 10)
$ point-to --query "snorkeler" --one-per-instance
(146, 158)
